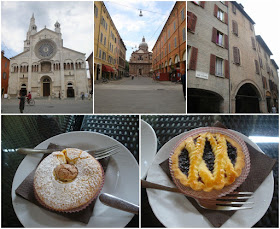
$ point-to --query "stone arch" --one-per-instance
(247, 81)
(24, 67)
(70, 89)
(79, 64)
(14, 67)
(46, 83)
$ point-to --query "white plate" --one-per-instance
(121, 180)
(148, 147)
(174, 210)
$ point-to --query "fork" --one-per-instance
(98, 154)
(231, 202)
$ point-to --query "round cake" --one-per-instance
(207, 161)
(68, 181)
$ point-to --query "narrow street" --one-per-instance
(141, 95)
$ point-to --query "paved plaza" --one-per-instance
(45, 106)
(141, 95)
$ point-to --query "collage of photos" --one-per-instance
(107, 121)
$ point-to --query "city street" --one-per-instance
(141, 95)
(45, 106)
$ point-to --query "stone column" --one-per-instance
(62, 86)
(75, 83)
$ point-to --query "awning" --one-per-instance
(106, 68)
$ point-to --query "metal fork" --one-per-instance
(231, 202)
(98, 154)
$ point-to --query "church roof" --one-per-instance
(19, 54)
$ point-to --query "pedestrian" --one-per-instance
(273, 109)
(183, 80)
(21, 98)
(132, 77)
(83, 95)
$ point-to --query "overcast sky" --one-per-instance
(267, 18)
(132, 28)
(75, 18)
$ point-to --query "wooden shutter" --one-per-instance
(226, 18)
(253, 43)
(226, 69)
(212, 64)
(215, 10)
(261, 63)
(214, 35)
(235, 27)
(257, 67)
(202, 4)
(193, 59)
(189, 19)
(226, 41)
(236, 55)
(226, 2)
(233, 9)
(193, 22)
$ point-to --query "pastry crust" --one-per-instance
(199, 176)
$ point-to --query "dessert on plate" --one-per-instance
(207, 161)
(68, 180)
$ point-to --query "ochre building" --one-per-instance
(140, 63)
(5, 66)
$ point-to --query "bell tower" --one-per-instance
(57, 27)
(31, 31)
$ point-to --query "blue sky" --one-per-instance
(132, 28)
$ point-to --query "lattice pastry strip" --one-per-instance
(202, 170)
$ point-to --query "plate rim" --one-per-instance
(13, 195)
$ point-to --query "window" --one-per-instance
(168, 33)
(257, 67)
(253, 43)
(184, 34)
(4, 75)
(175, 42)
(236, 56)
(233, 9)
(235, 28)
(105, 41)
(169, 47)
(103, 56)
(192, 58)
(95, 11)
(101, 37)
(191, 21)
(174, 25)
(99, 53)
(219, 40)
(183, 14)
(261, 63)
(220, 15)
(219, 66)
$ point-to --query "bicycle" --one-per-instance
(30, 102)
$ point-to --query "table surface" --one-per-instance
(29, 131)
(168, 126)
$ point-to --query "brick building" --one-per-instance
(5, 66)
(108, 48)
(227, 62)
(169, 51)
(140, 63)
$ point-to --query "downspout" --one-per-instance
(229, 82)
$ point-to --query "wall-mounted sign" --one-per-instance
(201, 75)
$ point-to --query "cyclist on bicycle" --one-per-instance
(29, 96)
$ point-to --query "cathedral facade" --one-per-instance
(46, 68)
(140, 63)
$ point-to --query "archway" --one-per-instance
(70, 91)
(247, 99)
(23, 90)
(46, 87)
(203, 101)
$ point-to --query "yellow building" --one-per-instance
(106, 49)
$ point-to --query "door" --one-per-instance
(46, 89)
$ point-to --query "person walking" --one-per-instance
(21, 102)
(83, 95)
(273, 109)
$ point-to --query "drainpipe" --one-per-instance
(229, 82)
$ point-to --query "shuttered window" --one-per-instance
(212, 64)
(267, 68)
(236, 55)
(191, 22)
(233, 9)
(226, 69)
(219, 66)
(235, 28)
(253, 43)
(261, 63)
(257, 67)
(221, 15)
(219, 38)
(193, 60)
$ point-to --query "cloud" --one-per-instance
(75, 18)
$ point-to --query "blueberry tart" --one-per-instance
(207, 161)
